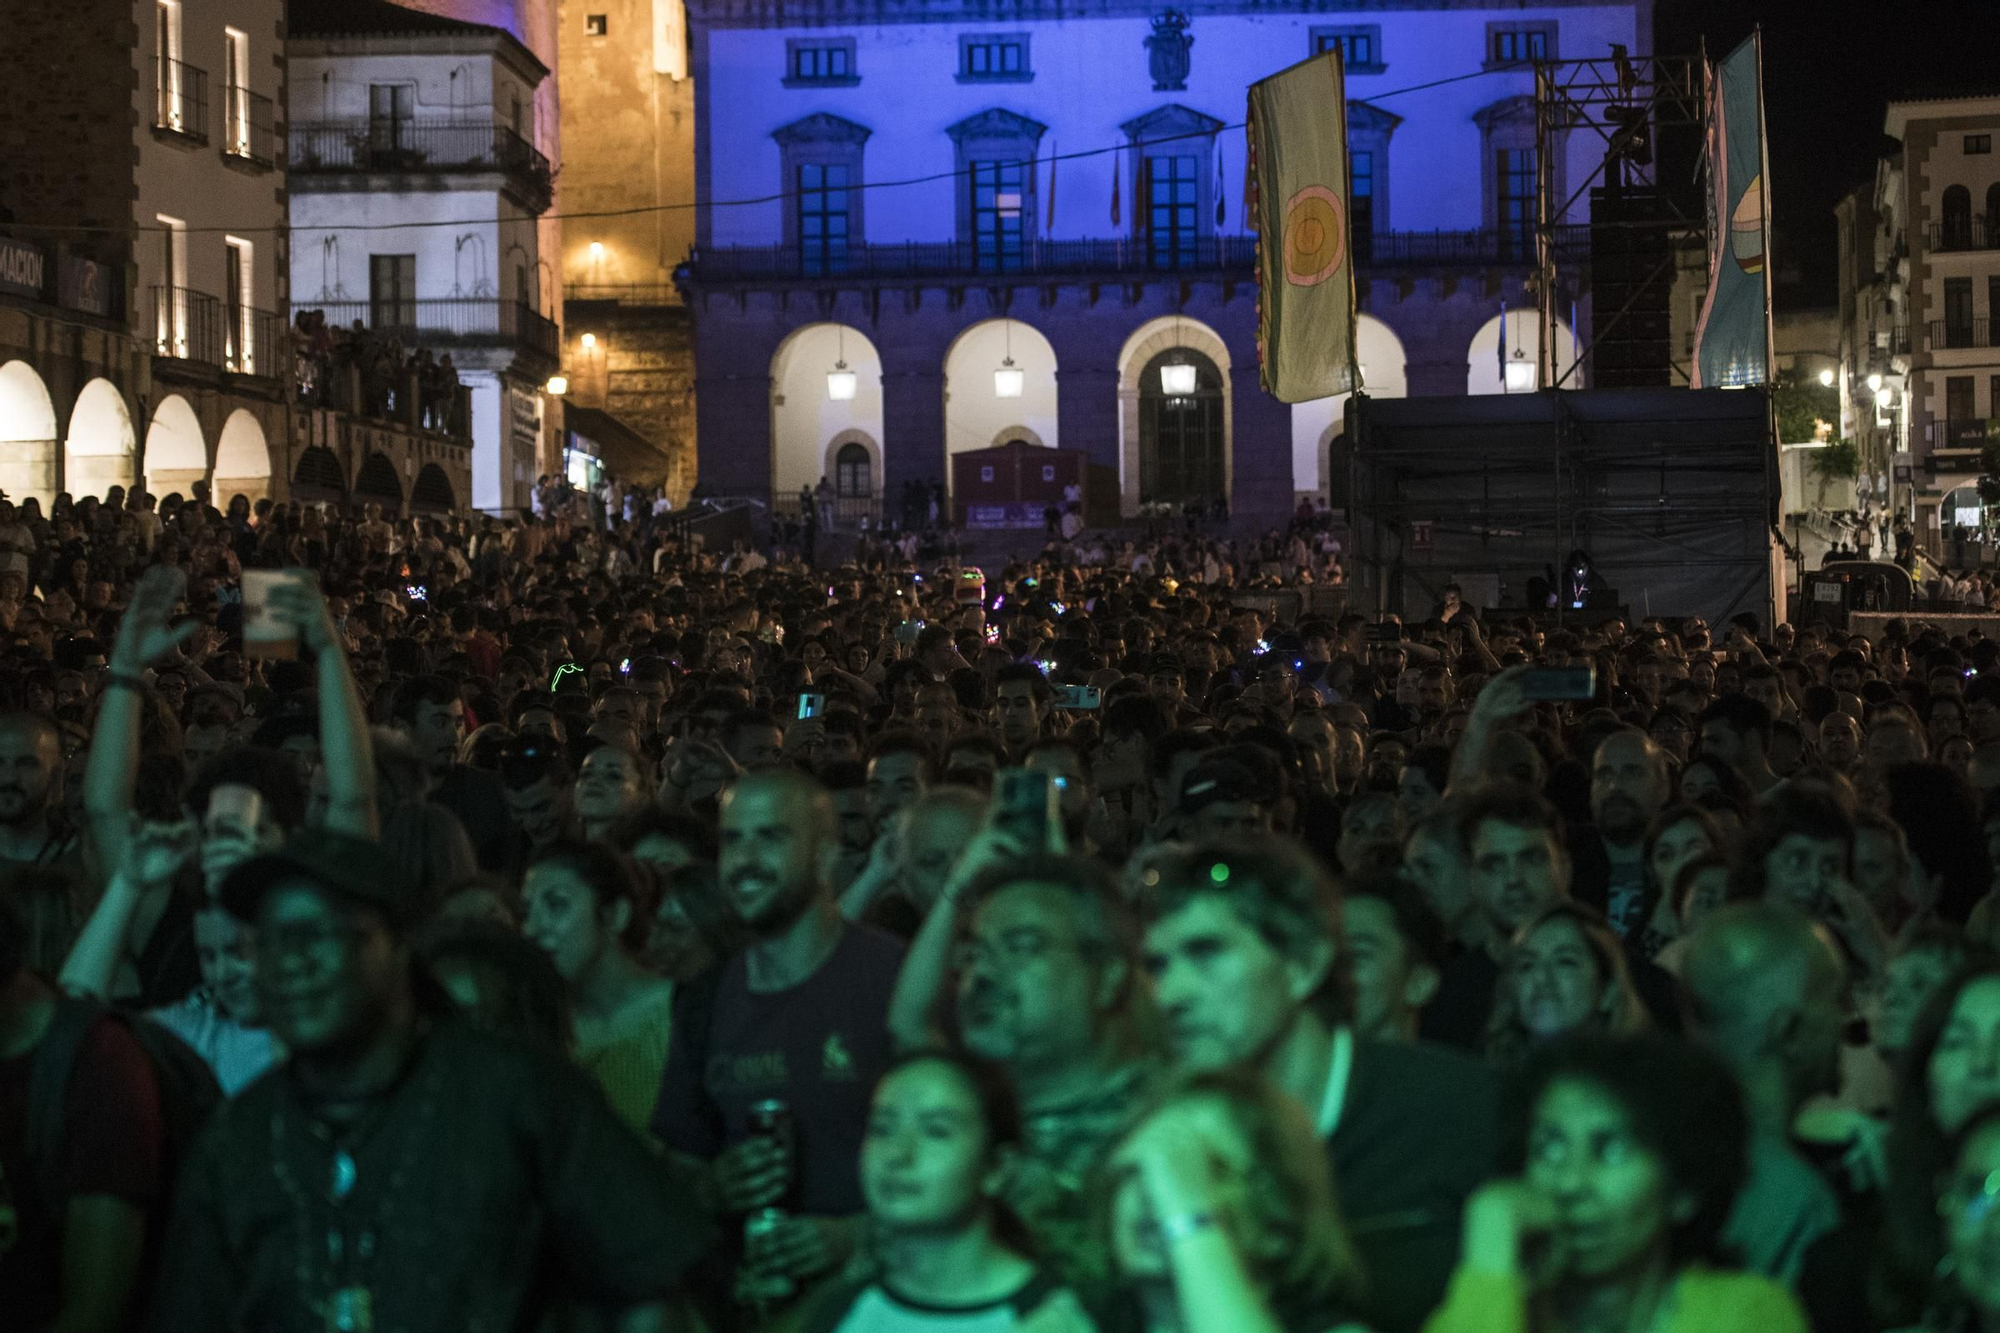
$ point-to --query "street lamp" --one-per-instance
(1826, 379)
(1884, 396)
(589, 341)
(558, 385)
(1874, 384)
(1177, 380)
(1009, 381)
(840, 381)
(596, 251)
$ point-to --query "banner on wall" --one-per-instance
(1299, 202)
(1732, 340)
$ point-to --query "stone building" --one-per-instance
(921, 232)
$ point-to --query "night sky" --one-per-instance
(1830, 68)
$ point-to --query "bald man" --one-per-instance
(1629, 785)
(1763, 985)
(31, 767)
(800, 1016)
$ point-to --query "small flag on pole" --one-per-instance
(1052, 185)
(1117, 170)
(1221, 194)
(1305, 277)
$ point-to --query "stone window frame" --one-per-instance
(794, 45)
(968, 40)
(996, 135)
(1549, 27)
(1372, 31)
(1369, 129)
(1173, 130)
(823, 139)
(1510, 123)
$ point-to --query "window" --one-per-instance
(852, 476)
(238, 277)
(829, 61)
(999, 191)
(1978, 143)
(990, 58)
(1958, 312)
(1955, 219)
(236, 92)
(823, 220)
(1360, 47)
(1361, 202)
(170, 305)
(181, 96)
(391, 111)
(392, 292)
(1958, 404)
(1514, 170)
(1512, 43)
(596, 25)
(1173, 212)
(820, 163)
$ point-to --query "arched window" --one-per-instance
(1955, 217)
(1180, 433)
(852, 475)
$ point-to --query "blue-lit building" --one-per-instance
(898, 260)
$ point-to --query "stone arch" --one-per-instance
(377, 481)
(1008, 434)
(975, 416)
(431, 492)
(840, 444)
(318, 475)
(1384, 374)
(1523, 348)
(176, 450)
(242, 460)
(1147, 342)
(102, 445)
(805, 418)
(27, 434)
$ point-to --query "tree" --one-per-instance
(1805, 406)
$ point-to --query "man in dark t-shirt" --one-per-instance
(800, 1016)
(72, 1262)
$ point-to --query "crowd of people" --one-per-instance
(390, 379)
(466, 924)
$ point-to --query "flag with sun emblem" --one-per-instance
(1299, 194)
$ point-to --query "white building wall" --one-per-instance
(475, 255)
(1090, 76)
(192, 183)
(447, 88)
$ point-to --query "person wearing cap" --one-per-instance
(471, 1181)
(1245, 950)
(1225, 798)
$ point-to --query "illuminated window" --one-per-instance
(999, 194)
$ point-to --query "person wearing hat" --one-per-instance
(467, 1181)
(1226, 798)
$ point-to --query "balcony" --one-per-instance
(1235, 256)
(319, 153)
(1946, 335)
(446, 323)
(195, 327)
(180, 104)
(1956, 433)
(1971, 233)
(248, 134)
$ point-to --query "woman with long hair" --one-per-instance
(1627, 1153)
(1221, 1216)
(1677, 835)
(1565, 974)
(944, 1251)
(589, 909)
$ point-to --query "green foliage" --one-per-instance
(1840, 460)
(1802, 401)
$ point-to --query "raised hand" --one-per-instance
(144, 635)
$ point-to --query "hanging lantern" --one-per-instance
(1177, 380)
(840, 383)
(1009, 381)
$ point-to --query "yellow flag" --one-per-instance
(1305, 269)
